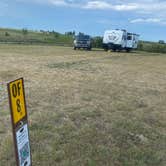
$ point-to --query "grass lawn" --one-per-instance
(87, 108)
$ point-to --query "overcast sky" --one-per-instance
(145, 17)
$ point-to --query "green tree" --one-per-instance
(97, 42)
(24, 31)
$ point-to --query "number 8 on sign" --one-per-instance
(17, 100)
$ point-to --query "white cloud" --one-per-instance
(105, 5)
(160, 21)
(148, 20)
(152, 11)
(126, 7)
(141, 8)
(97, 5)
(144, 5)
(58, 2)
(118, 5)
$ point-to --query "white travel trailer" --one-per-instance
(120, 40)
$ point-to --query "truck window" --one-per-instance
(82, 37)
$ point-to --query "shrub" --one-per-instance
(7, 34)
(97, 42)
(152, 47)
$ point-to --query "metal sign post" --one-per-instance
(19, 122)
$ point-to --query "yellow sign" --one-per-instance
(17, 100)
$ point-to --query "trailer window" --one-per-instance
(129, 37)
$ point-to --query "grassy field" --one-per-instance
(87, 108)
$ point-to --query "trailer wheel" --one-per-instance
(89, 48)
(128, 50)
(105, 47)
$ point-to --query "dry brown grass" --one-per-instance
(88, 108)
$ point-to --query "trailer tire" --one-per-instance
(89, 48)
(105, 47)
(128, 50)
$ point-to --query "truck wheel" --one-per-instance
(74, 48)
(89, 49)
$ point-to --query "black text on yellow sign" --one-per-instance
(17, 100)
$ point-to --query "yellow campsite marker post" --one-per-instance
(19, 122)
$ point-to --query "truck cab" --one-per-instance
(82, 41)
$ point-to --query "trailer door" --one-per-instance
(129, 40)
